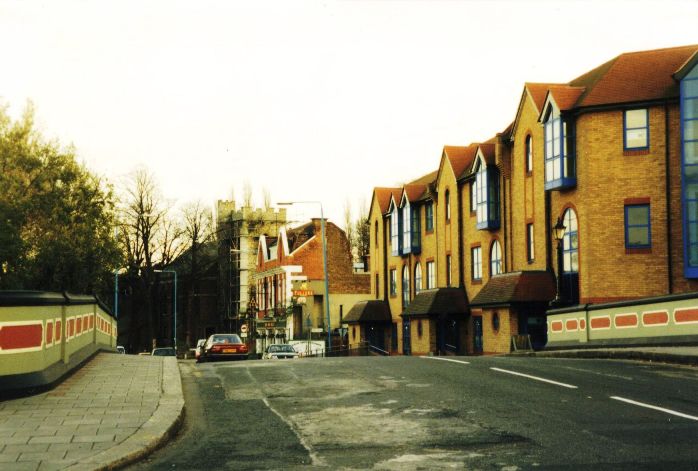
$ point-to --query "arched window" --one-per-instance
(405, 286)
(417, 278)
(495, 258)
(570, 243)
(529, 154)
(447, 204)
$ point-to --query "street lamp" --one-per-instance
(558, 235)
(174, 327)
(324, 262)
(116, 291)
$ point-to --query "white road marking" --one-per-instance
(537, 378)
(650, 406)
(446, 359)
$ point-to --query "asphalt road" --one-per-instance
(433, 413)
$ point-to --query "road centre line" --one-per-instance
(650, 406)
(446, 359)
(537, 378)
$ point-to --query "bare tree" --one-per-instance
(266, 198)
(198, 229)
(150, 239)
(349, 225)
(247, 194)
(362, 233)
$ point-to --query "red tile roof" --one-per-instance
(538, 92)
(565, 96)
(487, 150)
(415, 192)
(634, 76)
(383, 196)
(461, 158)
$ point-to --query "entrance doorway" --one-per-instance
(406, 337)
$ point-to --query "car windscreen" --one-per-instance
(231, 338)
(286, 349)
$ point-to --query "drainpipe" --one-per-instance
(459, 193)
(548, 229)
(385, 262)
(667, 186)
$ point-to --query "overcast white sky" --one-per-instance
(312, 100)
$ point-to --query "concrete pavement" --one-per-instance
(113, 410)
(119, 408)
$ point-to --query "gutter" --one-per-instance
(667, 188)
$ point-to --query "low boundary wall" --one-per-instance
(664, 320)
(45, 335)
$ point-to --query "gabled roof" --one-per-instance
(299, 235)
(487, 152)
(415, 193)
(438, 302)
(383, 196)
(459, 158)
(634, 77)
(516, 287)
(537, 92)
(374, 310)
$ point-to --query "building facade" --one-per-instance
(611, 155)
(290, 283)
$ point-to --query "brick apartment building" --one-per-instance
(465, 258)
(290, 289)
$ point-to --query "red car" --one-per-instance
(224, 346)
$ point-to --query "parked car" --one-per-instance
(280, 352)
(120, 349)
(164, 352)
(199, 348)
(224, 346)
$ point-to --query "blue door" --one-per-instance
(477, 334)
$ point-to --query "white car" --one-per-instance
(280, 352)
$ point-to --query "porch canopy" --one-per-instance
(535, 286)
(373, 311)
(438, 302)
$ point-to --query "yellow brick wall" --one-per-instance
(446, 234)
(498, 341)
(527, 191)
(425, 343)
(605, 178)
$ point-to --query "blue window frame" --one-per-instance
(416, 236)
(476, 263)
(638, 234)
(429, 216)
(395, 231)
(636, 129)
(405, 286)
(486, 191)
(417, 278)
(406, 228)
(689, 174)
(570, 243)
(496, 259)
(560, 169)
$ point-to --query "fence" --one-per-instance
(665, 320)
(45, 335)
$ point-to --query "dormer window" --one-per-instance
(394, 231)
(560, 169)
(486, 191)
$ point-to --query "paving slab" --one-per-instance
(112, 411)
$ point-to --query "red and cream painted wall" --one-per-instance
(655, 320)
(34, 338)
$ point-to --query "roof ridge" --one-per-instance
(668, 48)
